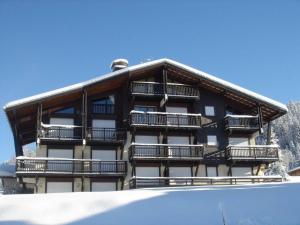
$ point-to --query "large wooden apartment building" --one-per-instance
(159, 123)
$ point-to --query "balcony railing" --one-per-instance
(252, 152)
(106, 134)
(57, 132)
(105, 109)
(259, 153)
(241, 123)
(144, 182)
(164, 119)
(147, 88)
(165, 152)
(59, 166)
(172, 89)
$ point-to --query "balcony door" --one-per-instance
(59, 165)
(104, 155)
(180, 172)
(63, 129)
(142, 118)
(147, 171)
(59, 187)
(147, 150)
(241, 171)
(103, 186)
(239, 141)
(104, 130)
(178, 151)
(177, 119)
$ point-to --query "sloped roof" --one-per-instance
(202, 75)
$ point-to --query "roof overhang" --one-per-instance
(24, 108)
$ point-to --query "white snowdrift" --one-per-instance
(263, 204)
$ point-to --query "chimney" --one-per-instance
(118, 64)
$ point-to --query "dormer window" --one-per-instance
(104, 105)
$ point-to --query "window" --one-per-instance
(212, 140)
(104, 105)
(70, 110)
(209, 111)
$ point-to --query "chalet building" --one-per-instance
(159, 123)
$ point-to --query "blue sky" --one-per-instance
(50, 44)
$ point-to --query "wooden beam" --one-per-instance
(260, 119)
(269, 133)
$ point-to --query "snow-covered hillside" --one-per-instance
(263, 204)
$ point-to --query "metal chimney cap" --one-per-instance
(118, 64)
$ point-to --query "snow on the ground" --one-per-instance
(263, 204)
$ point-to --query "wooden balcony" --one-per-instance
(146, 182)
(241, 123)
(26, 166)
(258, 153)
(164, 119)
(165, 152)
(173, 90)
(50, 133)
(106, 135)
(247, 153)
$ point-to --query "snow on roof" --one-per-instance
(197, 72)
(239, 204)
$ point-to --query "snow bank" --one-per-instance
(263, 204)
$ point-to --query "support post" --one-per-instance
(269, 134)
(17, 137)
(260, 119)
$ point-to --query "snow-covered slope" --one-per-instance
(244, 205)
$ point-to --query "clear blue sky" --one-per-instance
(50, 44)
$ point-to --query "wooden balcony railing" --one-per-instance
(147, 88)
(59, 166)
(165, 152)
(105, 109)
(106, 134)
(172, 89)
(241, 122)
(53, 132)
(252, 152)
(144, 182)
(259, 153)
(182, 90)
(164, 119)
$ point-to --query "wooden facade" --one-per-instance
(161, 102)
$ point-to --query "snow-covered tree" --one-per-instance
(285, 133)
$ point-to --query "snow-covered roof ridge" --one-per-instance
(110, 75)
